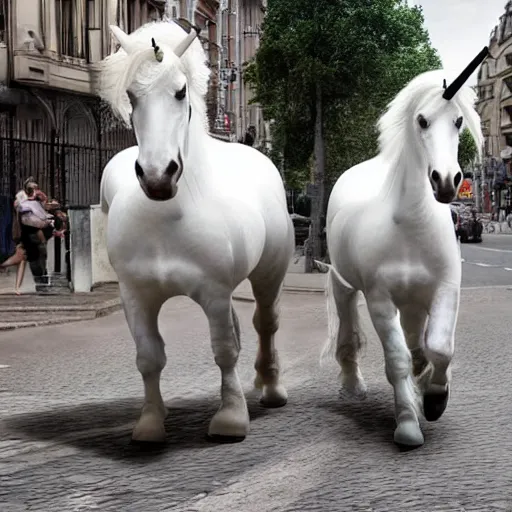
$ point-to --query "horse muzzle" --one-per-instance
(164, 187)
(445, 190)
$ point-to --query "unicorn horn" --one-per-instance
(452, 89)
(159, 54)
(182, 47)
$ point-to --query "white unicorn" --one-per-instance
(390, 237)
(190, 215)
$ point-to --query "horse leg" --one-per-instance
(398, 369)
(439, 349)
(231, 422)
(141, 311)
(345, 336)
(413, 321)
(266, 322)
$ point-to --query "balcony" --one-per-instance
(55, 46)
(65, 73)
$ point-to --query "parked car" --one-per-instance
(468, 227)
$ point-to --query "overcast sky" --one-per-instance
(459, 29)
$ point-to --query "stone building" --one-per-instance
(494, 105)
(240, 28)
(52, 125)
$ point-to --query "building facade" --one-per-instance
(494, 88)
(52, 125)
(239, 25)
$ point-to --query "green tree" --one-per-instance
(467, 150)
(333, 64)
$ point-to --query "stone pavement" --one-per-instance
(31, 310)
(70, 394)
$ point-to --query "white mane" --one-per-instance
(142, 71)
(424, 92)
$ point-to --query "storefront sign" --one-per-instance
(466, 190)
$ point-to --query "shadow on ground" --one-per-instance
(105, 427)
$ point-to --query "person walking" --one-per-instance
(19, 258)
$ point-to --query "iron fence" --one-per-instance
(68, 172)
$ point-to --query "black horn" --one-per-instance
(452, 89)
(159, 54)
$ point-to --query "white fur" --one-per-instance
(389, 238)
(227, 222)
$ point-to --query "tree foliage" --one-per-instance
(467, 150)
(362, 52)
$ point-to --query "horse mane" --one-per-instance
(424, 92)
(140, 69)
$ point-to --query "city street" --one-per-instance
(70, 394)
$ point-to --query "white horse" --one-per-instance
(190, 215)
(390, 238)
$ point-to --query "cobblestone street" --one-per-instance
(70, 394)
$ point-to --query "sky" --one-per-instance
(459, 29)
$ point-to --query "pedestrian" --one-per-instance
(19, 257)
(37, 226)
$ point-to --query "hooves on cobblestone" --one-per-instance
(408, 435)
(230, 422)
(435, 404)
(150, 428)
(274, 396)
(353, 387)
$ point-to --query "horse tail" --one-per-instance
(333, 319)
(348, 304)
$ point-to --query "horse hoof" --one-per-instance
(274, 397)
(216, 438)
(408, 435)
(149, 430)
(229, 423)
(353, 389)
(434, 405)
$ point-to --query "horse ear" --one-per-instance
(122, 38)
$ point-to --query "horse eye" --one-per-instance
(458, 123)
(424, 124)
(181, 93)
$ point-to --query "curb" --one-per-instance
(105, 308)
(8, 326)
(302, 289)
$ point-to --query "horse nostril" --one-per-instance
(138, 170)
(457, 179)
(435, 176)
(172, 168)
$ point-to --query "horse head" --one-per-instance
(161, 109)
(438, 125)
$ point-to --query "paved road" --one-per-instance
(69, 396)
(488, 263)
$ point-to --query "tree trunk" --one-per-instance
(318, 189)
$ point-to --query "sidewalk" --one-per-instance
(32, 310)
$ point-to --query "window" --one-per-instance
(508, 83)
(72, 27)
(140, 12)
(93, 15)
(3, 21)
(508, 59)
